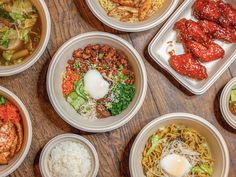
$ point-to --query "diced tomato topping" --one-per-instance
(69, 80)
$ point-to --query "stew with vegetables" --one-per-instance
(20, 31)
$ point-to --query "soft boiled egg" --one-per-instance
(175, 165)
(95, 84)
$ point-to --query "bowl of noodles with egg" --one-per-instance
(132, 15)
(179, 145)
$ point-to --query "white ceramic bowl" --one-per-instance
(224, 103)
(214, 138)
(58, 66)
(5, 170)
(43, 161)
(46, 30)
(161, 15)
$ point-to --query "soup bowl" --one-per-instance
(14, 163)
(217, 144)
(229, 117)
(156, 19)
(45, 35)
(58, 66)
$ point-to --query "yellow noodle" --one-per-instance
(113, 9)
(191, 139)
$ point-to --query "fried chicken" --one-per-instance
(187, 65)
(197, 42)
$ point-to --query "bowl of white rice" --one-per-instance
(69, 155)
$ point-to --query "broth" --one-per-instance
(20, 31)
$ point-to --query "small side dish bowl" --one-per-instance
(14, 163)
(45, 35)
(58, 67)
(45, 154)
(229, 117)
(156, 19)
(217, 144)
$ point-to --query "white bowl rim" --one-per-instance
(51, 143)
(113, 25)
(29, 126)
(223, 103)
(32, 61)
(131, 114)
(179, 114)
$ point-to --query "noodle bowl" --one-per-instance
(180, 140)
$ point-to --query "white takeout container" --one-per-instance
(44, 38)
(216, 142)
(17, 160)
(161, 15)
(58, 66)
(158, 50)
(224, 103)
(45, 154)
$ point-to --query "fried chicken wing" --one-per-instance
(190, 30)
(217, 11)
(187, 65)
(197, 42)
(207, 52)
(207, 9)
(216, 31)
(228, 18)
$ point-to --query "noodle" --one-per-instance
(130, 12)
(179, 140)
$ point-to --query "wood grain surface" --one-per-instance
(164, 95)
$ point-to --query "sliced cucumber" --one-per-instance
(79, 88)
(72, 97)
(75, 100)
(77, 103)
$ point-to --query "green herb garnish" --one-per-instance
(2, 100)
(76, 65)
(121, 67)
(123, 95)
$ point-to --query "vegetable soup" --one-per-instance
(20, 31)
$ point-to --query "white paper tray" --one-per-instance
(158, 49)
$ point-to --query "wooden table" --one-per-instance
(164, 95)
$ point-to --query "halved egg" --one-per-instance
(175, 165)
(96, 86)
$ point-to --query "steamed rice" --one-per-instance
(69, 159)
